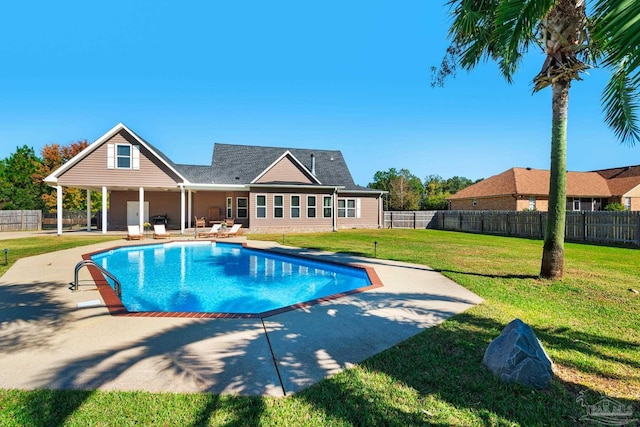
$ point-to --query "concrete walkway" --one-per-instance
(46, 341)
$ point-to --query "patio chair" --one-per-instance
(159, 232)
(211, 233)
(133, 232)
(200, 222)
(233, 231)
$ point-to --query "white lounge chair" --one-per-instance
(233, 231)
(133, 232)
(211, 233)
(159, 232)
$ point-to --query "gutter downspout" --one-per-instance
(335, 209)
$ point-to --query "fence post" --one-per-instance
(391, 226)
(540, 221)
(584, 226)
(414, 220)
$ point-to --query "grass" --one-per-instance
(24, 247)
(589, 324)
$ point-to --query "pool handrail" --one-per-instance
(90, 262)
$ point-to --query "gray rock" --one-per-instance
(517, 356)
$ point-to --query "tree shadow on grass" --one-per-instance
(443, 366)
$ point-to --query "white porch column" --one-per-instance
(189, 210)
(59, 208)
(182, 210)
(88, 210)
(104, 210)
(141, 208)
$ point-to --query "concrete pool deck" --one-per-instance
(46, 341)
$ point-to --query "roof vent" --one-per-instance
(313, 165)
(528, 169)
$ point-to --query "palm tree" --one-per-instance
(572, 41)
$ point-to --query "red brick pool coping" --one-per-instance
(116, 308)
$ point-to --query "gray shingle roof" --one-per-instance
(241, 164)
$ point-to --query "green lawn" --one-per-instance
(589, 323)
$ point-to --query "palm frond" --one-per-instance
(621, 106)
(616, 28)
(515, 27)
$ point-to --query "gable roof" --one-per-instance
(240, 165)
(53, 177)
(535, 182)
(243, 164)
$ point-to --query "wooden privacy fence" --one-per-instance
(70, 219)
(589, 226)
(409, 219)
(19, 220)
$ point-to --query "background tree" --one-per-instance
(503, 31)
(404, 190)
(54, 156)
(18, 187)
(437, 190)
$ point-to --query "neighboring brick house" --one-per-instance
(526, 188)
(263, 188)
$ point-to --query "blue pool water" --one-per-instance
(224, 278)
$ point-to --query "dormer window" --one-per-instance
(123, 156)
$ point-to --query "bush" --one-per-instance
(615, 207)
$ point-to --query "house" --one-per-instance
(266, 189)
(526, 188)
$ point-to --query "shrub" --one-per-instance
(615, 207)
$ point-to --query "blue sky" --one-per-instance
(353, 76)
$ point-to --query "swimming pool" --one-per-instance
(210, 277)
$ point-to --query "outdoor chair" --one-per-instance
(133, 232)
(200, 222)
(211, 233)
(159, 232)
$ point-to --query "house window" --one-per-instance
(278, 206)
(229, 207)
(346, 208)
(311, 206)
(576, 204)
(261, 206)
(474, 202)
(295, 206)
(627, 203)
(327, 210)
(532, 203)
(242, 204)
(123, 156)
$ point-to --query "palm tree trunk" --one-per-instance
(553, 251)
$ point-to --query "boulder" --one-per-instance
(517, 356)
